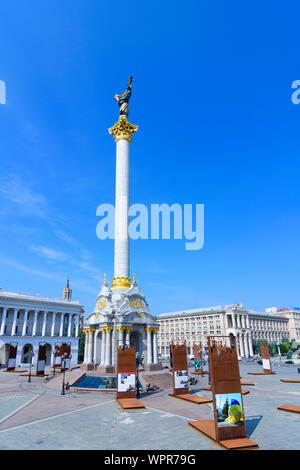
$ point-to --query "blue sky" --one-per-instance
(212, 98)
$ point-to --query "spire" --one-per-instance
(67, 292)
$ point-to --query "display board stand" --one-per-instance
(228, 427)
(265, 355)
(180, 376)
(12, 358)
(126, 378)
(290, 408)
(197, 349)
(41, 361)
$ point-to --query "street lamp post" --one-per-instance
(63, 363)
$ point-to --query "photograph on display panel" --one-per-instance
(126, 382)
(181, 379)
(229, 408)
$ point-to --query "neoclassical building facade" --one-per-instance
(32, 319)
(246, 325)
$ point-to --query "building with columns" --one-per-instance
(121, 314)
(246, 325)
(32, 319)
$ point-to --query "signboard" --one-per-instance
(126, 371)
(181, 379)
(65, 349)
(41, 360)
(198, 359)
(229, 417)
(12, 356)
(126, 382)
(180, 369)
(265, 355)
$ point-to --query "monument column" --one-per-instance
(122, 132)
(89, 333)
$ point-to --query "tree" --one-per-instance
(225, 410)
(81, 346)
(289, 354)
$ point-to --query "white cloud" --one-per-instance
(48, 253)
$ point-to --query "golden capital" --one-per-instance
(148, 330)
(121, 283)
(89, 331)
(121, 328)
(128, 329)
(123, 129)
(155, 330)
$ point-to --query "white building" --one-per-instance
(32, 319)
(246, 325)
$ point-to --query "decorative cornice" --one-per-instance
(123, 129)
(121, 283)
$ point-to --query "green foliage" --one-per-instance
(284, 347)
(225, 410)
(289, 354)
(81, 346)
(273, 349)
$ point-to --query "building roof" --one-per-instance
(36, 298)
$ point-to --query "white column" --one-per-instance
(155, 359)
(128, 330)
(61, 330)
(237, 345)
(238, 320)
(44, 324)
(14, 325)
(121, 264)
(243, 321)
(86, 347)
(90, 345)
(108, 346)
(247, 321)
(242, 345)
(250, 345)
(70, 325)
(149, 346)
(103, 338)
(121, 335)
(246, 345)
(53, 324)
(4, 317)
(233, 320)
(77, 326)
(25, 321)
(34, 323)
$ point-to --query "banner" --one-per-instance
(126, 382)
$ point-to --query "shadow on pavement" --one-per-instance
(251, 424)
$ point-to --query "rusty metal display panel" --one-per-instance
(265, 355)
(41, 360)
(229, 418)
(197, 349)
(12, 356)
(65, 349)
(126, 372)
(57, 356)
(180, 369)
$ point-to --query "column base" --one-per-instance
(105, 369)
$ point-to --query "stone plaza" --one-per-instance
(36, 416)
